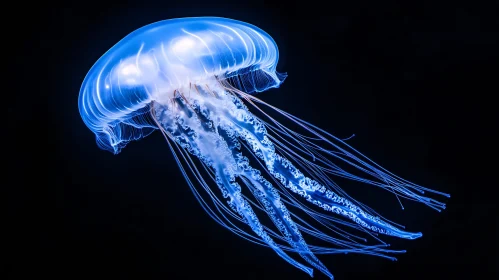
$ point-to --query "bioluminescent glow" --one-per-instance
(193, 79)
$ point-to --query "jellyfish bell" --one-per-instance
(158, 61)
(153, 62)
(193, 79)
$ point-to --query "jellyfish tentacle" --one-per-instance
(242, 207)
(268, 196)
(193, 134)
(346, 154)
(213, 124)
(254, 133)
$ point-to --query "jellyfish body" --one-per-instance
(192, 79)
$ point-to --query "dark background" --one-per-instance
(415, 82)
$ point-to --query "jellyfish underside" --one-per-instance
(211, 120)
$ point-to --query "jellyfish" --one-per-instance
(197, 80)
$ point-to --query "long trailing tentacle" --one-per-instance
(181, 131)
(340, 150)
(241, 206)
(346, 241)
(268, 196)
(224, 177)
(216, 127)
(255, 133)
